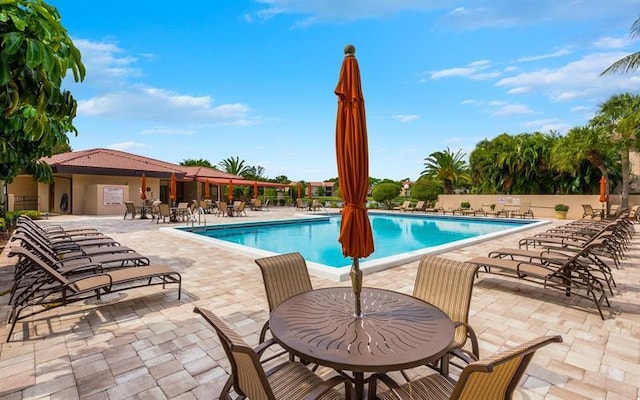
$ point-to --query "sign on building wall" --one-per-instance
(113, 196)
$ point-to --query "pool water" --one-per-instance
(317, 240)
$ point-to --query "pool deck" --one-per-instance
(150, 345)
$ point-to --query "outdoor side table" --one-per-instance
(396, 331)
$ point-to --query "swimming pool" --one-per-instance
(398, 239)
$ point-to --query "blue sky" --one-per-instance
(255, 78)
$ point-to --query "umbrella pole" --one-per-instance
(356, 284)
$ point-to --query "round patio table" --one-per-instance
(396, 331)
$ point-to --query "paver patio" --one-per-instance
(147, 344)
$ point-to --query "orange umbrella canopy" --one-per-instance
(143, 187)
(255, 190)
(172, 187)
(230, 190)
(207, 190)
(352, 153)
(603, 190)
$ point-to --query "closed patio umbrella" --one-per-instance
(230, 190)
(299, 190)
(603, 193)
(143, 187)
(353, 169)
(172, 187)
(310, 192)
(255, 190)
(207, 190)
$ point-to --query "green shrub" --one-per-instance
(561, 207)
(465, 204)
(385, 193)
(33, 214)
(3, 225)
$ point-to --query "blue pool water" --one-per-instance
(317, 240)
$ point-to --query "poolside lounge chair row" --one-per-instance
(499, 210)
(56, 267)
(577, 258)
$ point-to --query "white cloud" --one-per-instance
(106, 63)
(519, 90)
(472, 70)
(512, 109)
(124, 146)
(558, 53)
(546, 125)
(470, 102)
(577, 79)
(403, 118)
(611, 43)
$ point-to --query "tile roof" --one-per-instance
(108, 159)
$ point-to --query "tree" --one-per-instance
(280, 179)
(35, 54)
(234, 166)
(255, 173)
(386, 192)
(585, 143)
(426, 189)
(201, 162)
(449, 168)
(619, 117)
(632, 61)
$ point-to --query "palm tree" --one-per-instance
(619, 117)
(234, 166)
(632, 61)
(447, 167)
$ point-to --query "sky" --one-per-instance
(255, 79)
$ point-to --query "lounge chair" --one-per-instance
(403, 207)
(57, 231)
(497, 211)
(286, 381)
(448, 285)
(589, 212)
(493, 378)
(284, 276)
(50, 289)
(571, 276)
(614, 210)
(437, 207)
(256, 205)
(418, 207)
(523, 212)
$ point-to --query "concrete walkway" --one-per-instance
(147, 344)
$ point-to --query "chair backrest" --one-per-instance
(249, 378)
(588, 210)
(448, 285)
(525, 206)
(300, 202)
(183, 206)
(222, 206)
(613, 210)
(131, 208)
(496, 377)
(406, 204)
(419, 205)
(284, 276)
(164, 210)
(257, 203)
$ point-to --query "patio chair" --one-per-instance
(589, 212)
(418, 207)
(223, 209)
(497, 211)
(437, 207)
(286, 381)
(256, 205)
(239, 208)
(182, 213)
(524, 211)
(283, 276)
(613, 211)
(300, 204)
(266, 204)
(448, 285)
(493, 378)
(130, 209)
(49, 289)
(403, 207)
(57, 231)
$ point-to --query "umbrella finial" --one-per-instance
(349, 50)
